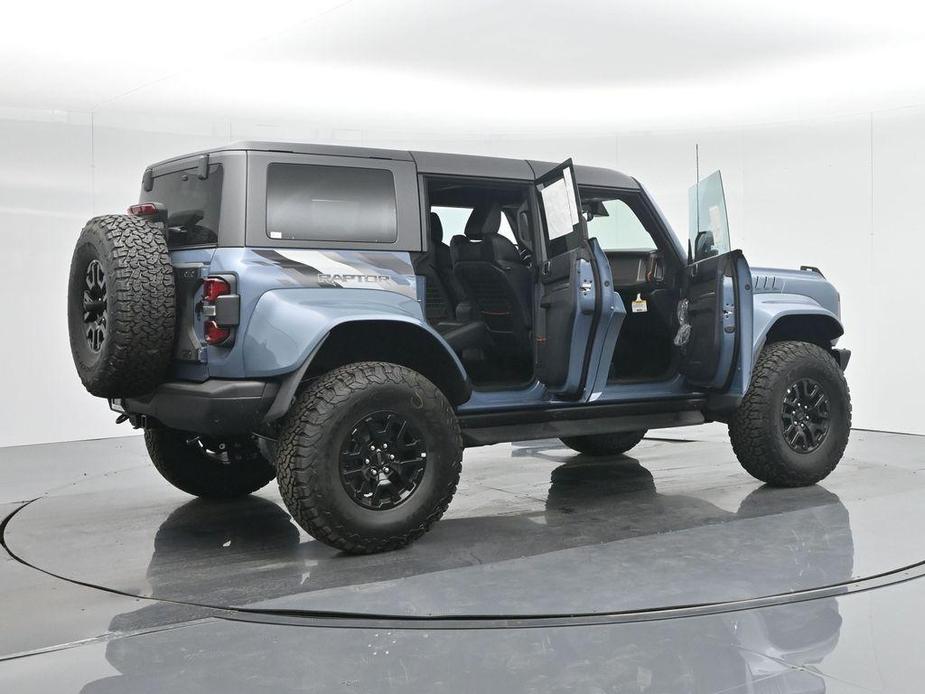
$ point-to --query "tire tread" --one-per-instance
(748, 428)
(300, 442)
(142, 317)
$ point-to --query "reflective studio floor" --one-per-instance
(666, 570)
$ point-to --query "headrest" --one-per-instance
(485, 219)
(436, 228)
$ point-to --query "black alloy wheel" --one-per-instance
(805, 415)
(382, 461)
(95, 313)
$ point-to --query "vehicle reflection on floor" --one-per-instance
(239, 552)
(236, 553)
(720, 653)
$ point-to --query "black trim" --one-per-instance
(842, 356)
(480, 429)
(212, 407)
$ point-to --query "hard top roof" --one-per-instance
(434, 162)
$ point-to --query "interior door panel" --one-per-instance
(712, 288)
(568, 288)
(557, 314)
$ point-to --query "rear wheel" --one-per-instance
(211, 467)
(604, 444)
(369, 457)
(793, 424)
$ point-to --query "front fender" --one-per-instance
(770, 308)
(288, 325)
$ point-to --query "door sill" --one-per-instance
(482, 429)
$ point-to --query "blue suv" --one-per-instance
(347, 320)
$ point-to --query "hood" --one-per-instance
(810, 283)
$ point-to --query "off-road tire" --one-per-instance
(604, 444)
(140, 305)
(308, 456)
(756, 429)
(182, 460)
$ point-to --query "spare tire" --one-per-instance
(121, 306)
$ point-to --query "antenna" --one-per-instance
(697, 174)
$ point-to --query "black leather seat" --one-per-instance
(443, 294)
(439, 304)
(492, 274)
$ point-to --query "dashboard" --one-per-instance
(636, 268)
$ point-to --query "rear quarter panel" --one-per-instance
(290, 298)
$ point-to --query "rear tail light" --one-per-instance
(216, 334)
(222, 309)
(153, 211)
(143, 209)
(214, 287)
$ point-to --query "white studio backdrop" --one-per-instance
(843, 194)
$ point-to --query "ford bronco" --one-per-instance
(347, 320)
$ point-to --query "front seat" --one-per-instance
(495, 279)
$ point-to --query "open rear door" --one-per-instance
(715, 335)
(568, 292)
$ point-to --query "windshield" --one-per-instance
(708, 224)
(193, 205)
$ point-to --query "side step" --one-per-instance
(480, 429)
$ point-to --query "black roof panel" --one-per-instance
(434, 162)
(469, 165)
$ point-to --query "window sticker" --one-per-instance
(560, 206)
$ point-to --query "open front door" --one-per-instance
(715, 315)
(715, 331)
(568, 291)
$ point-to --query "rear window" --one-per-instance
(331, 203)
(193, 205)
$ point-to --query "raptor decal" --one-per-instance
(387, 270)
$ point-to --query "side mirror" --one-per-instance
(704, 246)
(595, 208)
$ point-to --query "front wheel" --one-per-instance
(210, 467)
(604, 444)
(792, 426)
(369, 457)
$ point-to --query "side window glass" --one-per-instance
(506, 231)
(708, 229)
(453, 220)
(331, 203)
(616, 227)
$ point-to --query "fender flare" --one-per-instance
(771, 309)
(311, 315)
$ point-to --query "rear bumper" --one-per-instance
(212, 407)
